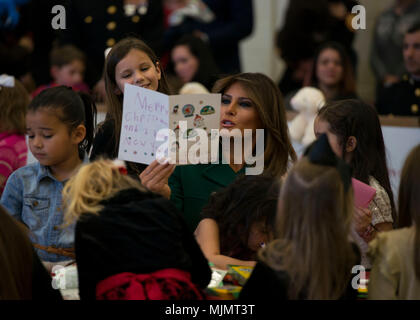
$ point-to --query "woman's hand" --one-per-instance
(155, 177)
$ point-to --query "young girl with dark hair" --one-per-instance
(355, 135)
(238, 221)
(129, 61)
(60, 126)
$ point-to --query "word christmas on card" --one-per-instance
(183, 128)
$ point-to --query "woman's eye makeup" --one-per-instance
(241, 103)
(245, 104)
(225, 100)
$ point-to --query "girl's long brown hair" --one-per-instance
(268, 101)
(312, 232)
(115, 102)
(16, 259)
(353, 117)
(409, 201)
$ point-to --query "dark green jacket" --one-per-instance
(192, 185)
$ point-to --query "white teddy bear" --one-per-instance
(307, 101)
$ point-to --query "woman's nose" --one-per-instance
(231, 108)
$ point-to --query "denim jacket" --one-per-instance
(33, 196)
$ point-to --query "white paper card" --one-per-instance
(146, 112)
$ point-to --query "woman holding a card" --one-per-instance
(249, 101)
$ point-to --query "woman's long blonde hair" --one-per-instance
(94, 182)
(312, 232)
(268, 101)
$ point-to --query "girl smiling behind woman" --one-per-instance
(249, 101)
(130, 61)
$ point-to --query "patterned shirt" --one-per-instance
(381, 210)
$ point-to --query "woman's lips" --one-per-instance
(227, 124)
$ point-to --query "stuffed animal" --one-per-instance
(307, 101)
(193, 88)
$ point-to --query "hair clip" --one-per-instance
(120, 166)
(7, 81)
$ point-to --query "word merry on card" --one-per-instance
(156, 125)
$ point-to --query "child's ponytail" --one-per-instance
(90, 122)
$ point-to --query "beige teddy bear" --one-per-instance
(307, 101)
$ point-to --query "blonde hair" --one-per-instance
(312, 232)
(13, 104)
(94, 182)
(270, 107)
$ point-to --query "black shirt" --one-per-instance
(136, 232)
(104, 146)
(402, 98)
(266, 283)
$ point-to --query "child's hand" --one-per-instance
(362, 219)
(155, 177)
